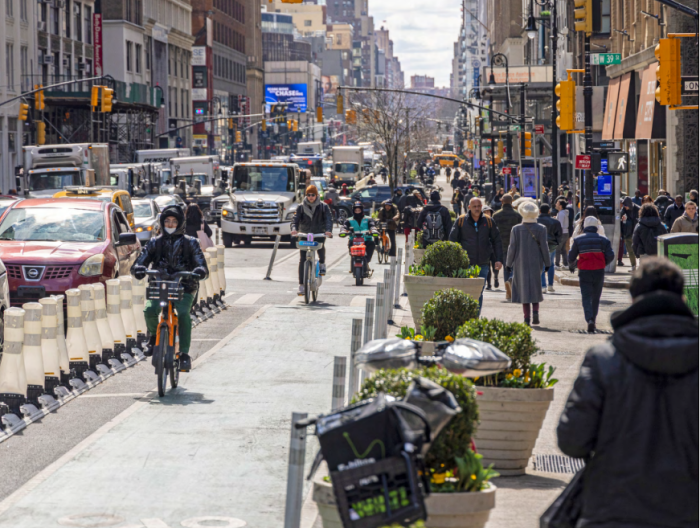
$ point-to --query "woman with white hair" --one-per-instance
(528, 254)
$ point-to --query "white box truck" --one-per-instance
(200, 175)
(48, 169)
(347, 165)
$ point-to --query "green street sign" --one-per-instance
(605, 59)
(514, 128)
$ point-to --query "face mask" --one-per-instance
(170, 230)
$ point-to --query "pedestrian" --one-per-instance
(448, 173)
(663, 201)
(633, 411)
(506, 218)
(673, 212)
(588, 212)
(468, 195)
(412, 204)
(630, 217)
(496, 202)
(493, 272)
(527, 255)
(647, 199)
(332, 199)
(389, 215)
(457, 199)
(554, 235)
(688, 222)
(434, 221)
(344, 191)
(479, 237)
(545, 195)
(564, 219)
(693, 196)
(637, 197)
(194, 223)
(398, 194)
(646, 231)
(594, 252)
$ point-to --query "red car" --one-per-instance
(51, 245)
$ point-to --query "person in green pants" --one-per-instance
(170, 252)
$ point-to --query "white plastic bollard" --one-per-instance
(214, 273)
(92, 335)
(208, 285)
(103, 328)
(63, 359)
(31, 350)
(221, 259)
(138, 298)
(379, 311)
(78, 352)
(355, 345)
(201, 308)
(339, 374)
(49, 344)
(13, 379)
(127, 311)
(369, 321)
(397, 277)
(114, 317)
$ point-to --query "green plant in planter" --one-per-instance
(454, 440)
(445, 258)
(469, 475)
(447, 310)
(534, 377)
(427, 333)
(513, 339)
(418, 243)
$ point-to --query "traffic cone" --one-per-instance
(114, 316)
(103, 328)
(92, 336)
(127, 311)
(13, 379)
(33, 358)
(64, 361)
(49, 344)
(139, 303)
(78, 352)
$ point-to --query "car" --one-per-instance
(6, 201)
(51, 245)
(374, 194)
(164, 200)
(322, 186)
(146, 219)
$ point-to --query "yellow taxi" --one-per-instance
(446, 159)
(106, 193)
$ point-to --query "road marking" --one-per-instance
(359, 301)
(249, 298)
(229, 295)
(117, 395)
(298, 300)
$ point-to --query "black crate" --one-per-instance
(164, 291)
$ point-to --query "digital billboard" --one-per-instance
(294, 94)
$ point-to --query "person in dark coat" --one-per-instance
(662, 202)
(674, 212)
(410, 202)
(170, 252)
(457, 200)
(593, 252)
(479, 237)
(389, 215)
(629, 218)
(637, 197)
(496, 202)
(432, 208)
(634, 411)
(554, 235)
(194, 221)
(647, 230)
(506, 218)
(398, 194)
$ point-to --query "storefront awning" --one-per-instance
(651, 118)
(625, 118)
(610, 108)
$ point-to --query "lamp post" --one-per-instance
(499, 59)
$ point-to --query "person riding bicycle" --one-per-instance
(362, 226)
(170, 252)
(389, 215)
(312, 216)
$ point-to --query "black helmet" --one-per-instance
(358, 205)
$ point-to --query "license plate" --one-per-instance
(260, 230)
(358, 264)
(306, 243)
(37, 292)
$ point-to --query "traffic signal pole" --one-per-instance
(588, 122)
(555, 129)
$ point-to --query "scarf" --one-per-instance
(310, 208)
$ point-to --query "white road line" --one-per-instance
(249, 298)
(358, 301)
(117, 395)
(299, 299)
(229, 295)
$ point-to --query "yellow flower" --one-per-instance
(509, 376)
(408, 338)
(439, 478)
(473, 477)
(449, 339)
(476, 379)
(419, 337)
(527, 378)
(517, 373)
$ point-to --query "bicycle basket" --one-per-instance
(358, 251)
(165, 291)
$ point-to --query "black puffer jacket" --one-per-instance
(173, 253)
(480, 241)
(321, 222)
(634, 408)
(436, 207)
(645, 233)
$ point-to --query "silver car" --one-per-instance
(146, 219)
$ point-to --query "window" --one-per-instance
(183, 101)
(66, 20)
(24, 68)
(128, 10)
(55, 28)
(605, 17)
(129, 55)
(11, 136)
(138, 58)
(87, 11)
(78, 21)
(148, 52)
(23, 10)
(8, 8)
(10, 65)
(307, 23)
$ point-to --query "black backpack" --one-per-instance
(433, 228)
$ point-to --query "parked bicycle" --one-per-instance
(310, 243)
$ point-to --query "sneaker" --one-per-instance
(185, 363)
(591, 327)
(535, 318)
(557, 268)
(620, 263)
(495, 284)
(632, 269)
(488, 287)
(301, 290)
(544, 290)
(148, 351)
(508, 290)
(321, 269)
(550, 288)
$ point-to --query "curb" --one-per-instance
(573, 281)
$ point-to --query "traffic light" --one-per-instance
(295, 125)
(350, 117)
(239, 137)
(40, 133)
(499, 151)
(528, 144)
(95, 96)
(668, 73)
(566, 105)
(263, 124)
(107, 96)
(339, 103)
(588, 16)
(319, 114)
(40, 104)
(230, 123)
(23, 111)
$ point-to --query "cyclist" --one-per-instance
(389, 215)
(312, 216)
(362, 225)
(170, 252)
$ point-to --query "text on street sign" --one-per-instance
(583, 162)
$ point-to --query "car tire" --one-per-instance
(227, 239)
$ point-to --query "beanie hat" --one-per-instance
(311, 189)
(590, 221)
(529, 211)
(435, 196)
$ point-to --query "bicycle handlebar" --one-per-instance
(177, 275)
(316, 235)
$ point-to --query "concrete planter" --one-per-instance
(460, 510)
(421, 289)
(510, 421)
(448, 510)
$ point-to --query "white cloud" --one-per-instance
(423, 31)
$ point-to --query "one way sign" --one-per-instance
(618, 162)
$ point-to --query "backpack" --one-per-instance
(433, 228)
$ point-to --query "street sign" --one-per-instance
(514, 128)
(482, 163)
(539, 129)
(690, 87)
(506, 170)
(583, 162)
(605, 59)
(618, 162)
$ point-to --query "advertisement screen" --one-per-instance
(294, 94)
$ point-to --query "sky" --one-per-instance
(423, 31)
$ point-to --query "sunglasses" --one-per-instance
(311, 195)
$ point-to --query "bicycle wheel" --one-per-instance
(307, 281)
(175, 370)
(161, 350)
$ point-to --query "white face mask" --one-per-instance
(170, 230)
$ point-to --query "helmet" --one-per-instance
(357, 205)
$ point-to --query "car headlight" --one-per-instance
(92, 266)
(290, 215)
(138, 230)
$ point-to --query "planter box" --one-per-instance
(421, 289)
(448, 510)
(510, 421)
(418, 255)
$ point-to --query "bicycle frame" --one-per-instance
(168, 318)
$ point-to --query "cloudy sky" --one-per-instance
(423, 32)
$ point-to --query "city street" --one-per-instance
(217, 447)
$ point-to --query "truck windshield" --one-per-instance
(42, 181)
(265, 179)
(345, 168)
(53, 225)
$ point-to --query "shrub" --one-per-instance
(454, 440)
(447, 310)
(446, 258)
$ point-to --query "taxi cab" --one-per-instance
(446, 159)
(105, 193)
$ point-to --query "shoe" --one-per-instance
(321, 269)
(148, 352)
(495, 284)
(544, 291)
(591, 327)
(632, 269)
(488, 287)
(527, 321)
(508, 290)
(301, 290)
(557, 268)
(185, 363)
(620, 263)
(535, 318)
(550, 288)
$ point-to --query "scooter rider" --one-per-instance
(362, 225)
(312, 216)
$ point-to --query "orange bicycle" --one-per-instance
(166, 353)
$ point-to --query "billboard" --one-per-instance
(294, 94)
(330, 84)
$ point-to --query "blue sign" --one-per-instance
(605, 184)
(604, 165)
(293, 94)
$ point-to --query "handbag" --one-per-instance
(204, 240)
(566, 509)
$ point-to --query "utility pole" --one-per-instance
(588, 123)
(493, 147)
(555, 129)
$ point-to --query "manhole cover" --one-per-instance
(557, 464)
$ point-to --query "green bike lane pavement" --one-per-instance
(216, 447)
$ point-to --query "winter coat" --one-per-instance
(672, 214)
(321, 222)
(554, 233)
(593, 251)
(684, 224)
(332, 196)
(506, 218)
(173, 253)
(478, 243)
(392, 218)
(634, 408)
(436, 207)
(527, 256)
(192, 225)
(408, 200)
(578, 230)
(644, 237)
(496, 203)
(662, 202)
(632, 214)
